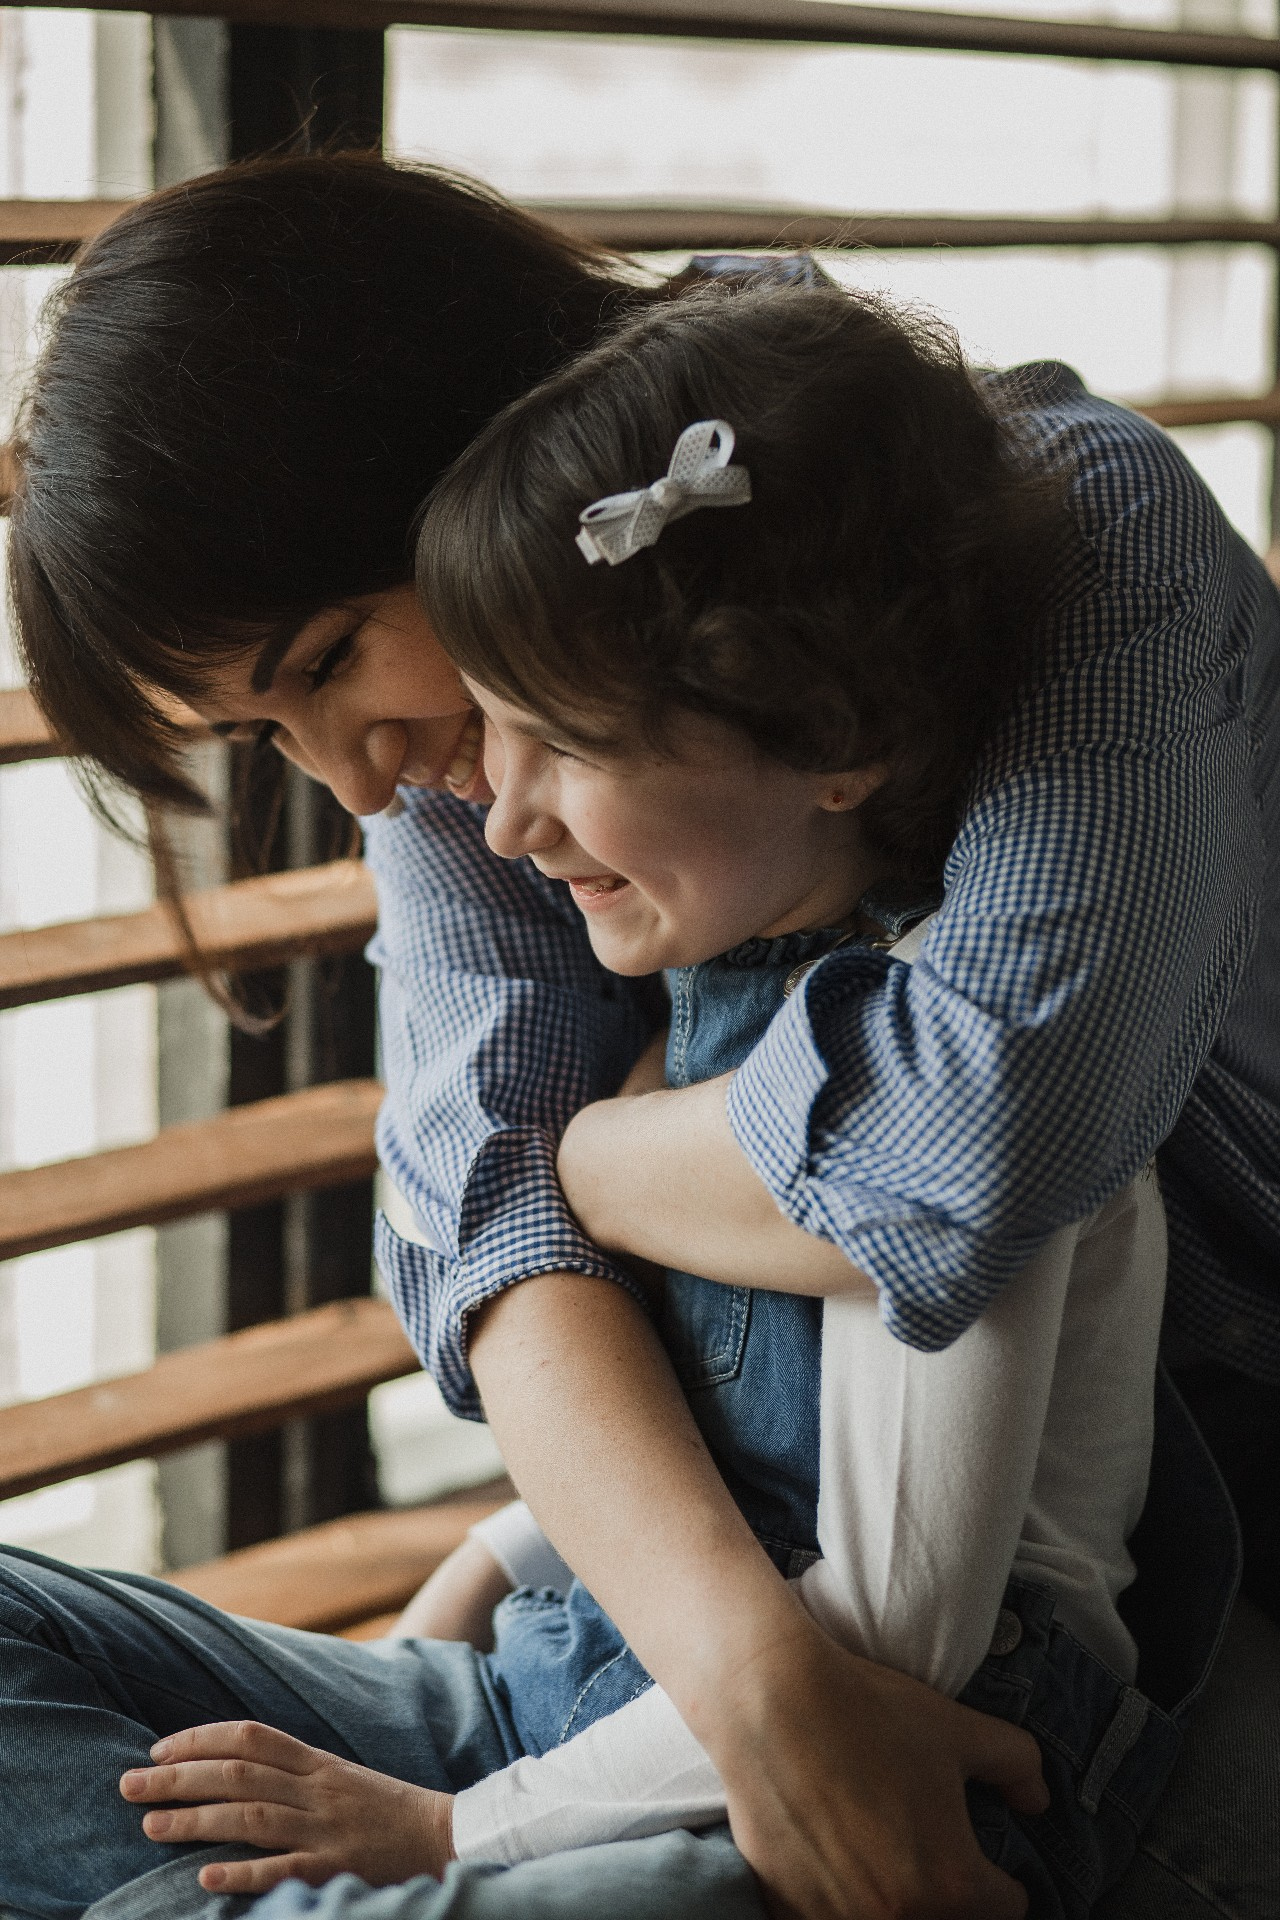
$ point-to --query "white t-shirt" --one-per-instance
(1024, 1447)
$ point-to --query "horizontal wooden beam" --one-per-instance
(43, 232)
(813, 22)
(660, 228)
(675, 228)
(25, 734)
(246, 925)
(360, 1569)
(244, 1383)
(317, 1138)
(1225, 411)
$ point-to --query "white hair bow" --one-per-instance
(699, 476)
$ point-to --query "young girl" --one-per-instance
(736, 718)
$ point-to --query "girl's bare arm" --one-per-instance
(659, 1175)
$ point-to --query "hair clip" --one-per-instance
(699, 476)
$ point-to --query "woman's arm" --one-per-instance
(822, 1755)
(497, 1023)
(660, 1176)
(897, 1529)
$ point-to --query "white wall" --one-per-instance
(77, 1074)
(876, 130)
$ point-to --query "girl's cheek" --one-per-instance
(492, 762)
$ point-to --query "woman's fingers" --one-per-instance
(1008, 1759)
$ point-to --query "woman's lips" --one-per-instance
(463, 774)
(460, 772)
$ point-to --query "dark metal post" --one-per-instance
(287, 90)
(304, 86)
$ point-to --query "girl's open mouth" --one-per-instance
(596, 890)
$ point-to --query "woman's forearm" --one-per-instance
(661, 1177)
(599, 1439)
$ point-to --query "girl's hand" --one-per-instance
(845, 1784)
(458, 1600)
(313, 1814)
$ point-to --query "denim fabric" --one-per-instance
(95, 1667)
(749, 1363)
(1211, 1850)
(675, 1876)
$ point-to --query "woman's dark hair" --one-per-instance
(249, 383)
(875, 601)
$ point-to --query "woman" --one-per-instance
(262, 373)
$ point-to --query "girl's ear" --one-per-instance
(845, 792)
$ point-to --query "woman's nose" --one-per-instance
(361, 769)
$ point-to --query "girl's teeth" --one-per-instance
(599, 886)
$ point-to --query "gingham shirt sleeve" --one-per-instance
(496, 1023)
(939, 1122)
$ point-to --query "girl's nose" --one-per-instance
(515, 825)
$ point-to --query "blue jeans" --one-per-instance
(1211, 1850)
(94, 1667)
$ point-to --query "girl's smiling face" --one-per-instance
(677, 856)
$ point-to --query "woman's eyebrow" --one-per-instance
(264, 667)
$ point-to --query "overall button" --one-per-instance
(1008, 1634)
(794, 978)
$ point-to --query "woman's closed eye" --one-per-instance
(329, 662)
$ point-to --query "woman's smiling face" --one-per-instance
(363, 698)
(674, 857)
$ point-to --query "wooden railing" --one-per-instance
(350, 1575)
(806, 22)
(30, 235)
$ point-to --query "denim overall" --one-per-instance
(749, 1362)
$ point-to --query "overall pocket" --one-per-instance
(704, 1329)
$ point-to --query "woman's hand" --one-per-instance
(458, 1600)
(845, 1784)
(313, 1814)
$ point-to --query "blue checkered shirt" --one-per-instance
(1102, 982)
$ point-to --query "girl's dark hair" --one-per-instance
(875, 601)
(249, 383)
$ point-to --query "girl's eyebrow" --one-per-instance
(553, 736)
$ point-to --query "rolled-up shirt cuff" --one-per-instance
(515, 1225)
(771, 1100)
